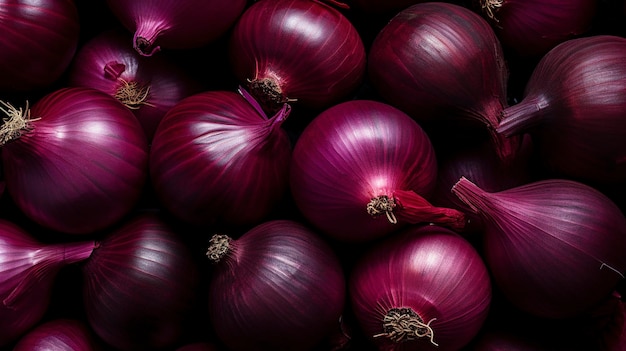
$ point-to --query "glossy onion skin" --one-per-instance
(39, 40)
(215, 159)
(58, 335)
(431, 270)
(174, 24)
(106, 62)
(555, 247)
(82, 167)
(140, 285)
(574, 106)
(351, 153)
(279, 287)
(311, 49)
(28, 269)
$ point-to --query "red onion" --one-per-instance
(442, 64)
(217, 158)
(299, 51)
(39, 39)
(173, 24)
(279, 286)
(555, 247)
(28, 269)
(76, 161)
(149, 87)
(140, 285)
(363, 169)
(575, 108)
(379, 7)
(425, 288)
(532, 27)
(61, 334)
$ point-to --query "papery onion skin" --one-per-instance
(215, 159)
(38, 42)
(309, 49)
(442, 64)
(81, 164)
(574, 106)
(140, 285)
(531, 28)
(28, 269)
(149, 87)
(555, 247)
(61, 334)
(172, 24)
(351, 153)
(431, 270)
(279, 286)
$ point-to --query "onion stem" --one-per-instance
(219, 245)
(133, 95)
(16, 122)
(490, 7)
(382, 204)
(404, 324)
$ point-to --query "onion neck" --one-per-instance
(269, 94)
(146, 35)
(404, 324)
(16, 123)
(219, 246)
(77, 252)
(470, 194)
(521, 118)
(413, 208)
(113, 70)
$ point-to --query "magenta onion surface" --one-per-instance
(148, 86)
(425, 288)
(532, 27)
(62, 334)
(140, 285)
(28, 269)
(279, 286)
(362, 169)
(442, 64)
(76, 162)
(574, 106)
(38, 42)
(555, 247)
(173, 24)
(299, 51)
(217, 158)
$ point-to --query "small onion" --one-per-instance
(299, 51)
(174, 24)
(574, 107)
(140, 285)
(279, 286)
(76, 162)
(58, 335)
(149, 87)
(363, 169)
(425, 288)
(442, 64)
(555, 247)
(39, 40)
(28, 270)
(217, 158)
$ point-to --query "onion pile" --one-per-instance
(312, 175)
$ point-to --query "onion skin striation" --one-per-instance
(555, 247)
(279, 284)
(425, 288)
(76, 162)
(62, 334)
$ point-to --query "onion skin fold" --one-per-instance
(431, 271)
(38, 42)
(60, 334)
(172, 24)
(216, 158)
(28, 269)
(140, 285)
(308, 52)
(555, 247)
(79, 163)
(443, 65)
(279, 284)
(574, 106)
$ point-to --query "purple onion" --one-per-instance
(61, 334)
